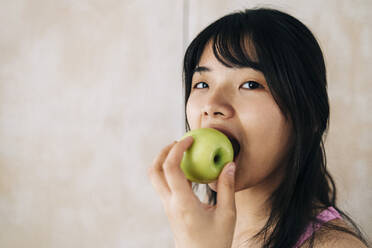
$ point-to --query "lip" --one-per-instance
(224, 130)
(230, 135)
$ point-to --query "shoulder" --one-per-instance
(340, 240)
(326, 238)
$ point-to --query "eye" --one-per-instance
(251, 85)
(200, 85)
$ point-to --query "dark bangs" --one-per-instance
(235, 49)
(231, 42)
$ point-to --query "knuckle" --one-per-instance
(182, 210)
(164, 151)
(155, 160)
(178, 205)
(151, 171)
(167, 148)
(187, 218)
(183, 213)
(169, 166)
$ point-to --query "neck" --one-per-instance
(252, 213)
(253, 209)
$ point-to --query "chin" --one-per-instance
(213, 186)
(238, 187)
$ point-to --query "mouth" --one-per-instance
(236, 146)
(234, 141)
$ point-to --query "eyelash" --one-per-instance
(249, 82)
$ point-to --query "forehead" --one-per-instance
(208, 62)
(237, 46)
(207, 55)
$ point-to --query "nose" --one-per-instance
(218, 106)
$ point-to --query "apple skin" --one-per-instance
(208, 154)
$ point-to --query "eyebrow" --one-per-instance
(201, 69)
(254, 66)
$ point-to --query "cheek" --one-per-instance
(268, 135)
(192, 113)
(264, 124)
(267, 141)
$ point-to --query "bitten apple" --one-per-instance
(208, 154)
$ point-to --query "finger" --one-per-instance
(177, 181)
(226, 190)
(156, 173)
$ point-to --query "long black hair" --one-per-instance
(289, 56)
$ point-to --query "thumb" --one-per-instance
(226, 189)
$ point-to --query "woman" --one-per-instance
(258, 75)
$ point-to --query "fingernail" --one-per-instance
(231, 169)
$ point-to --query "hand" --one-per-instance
(194, 224)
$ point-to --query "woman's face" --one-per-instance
(237, 101)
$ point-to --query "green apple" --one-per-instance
(208, 154)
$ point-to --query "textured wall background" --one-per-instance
(91, 90)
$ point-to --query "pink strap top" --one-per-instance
(326, 215)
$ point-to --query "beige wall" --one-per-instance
(91, 90)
